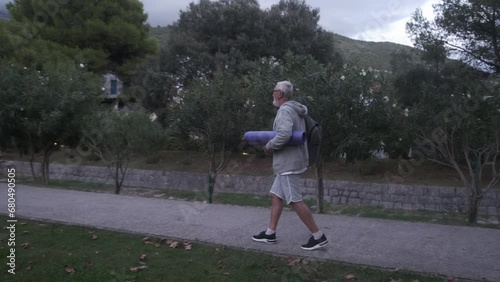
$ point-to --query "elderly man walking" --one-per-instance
(288, 163)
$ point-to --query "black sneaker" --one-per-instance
(314, 244)
(262, 237)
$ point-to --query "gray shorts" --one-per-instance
(287, 187)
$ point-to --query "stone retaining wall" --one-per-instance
(394, 196)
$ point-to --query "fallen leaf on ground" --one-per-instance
(174, 244)
(29, 267)
(293, 261)
(25, 245)
(143, 256)
(24, 223)
(187, 246)
(69, 270)
(137, 268)
(94, 237)
(97, 252)
(350, 277)
(145, 239)
(26, 232)
(157, 245)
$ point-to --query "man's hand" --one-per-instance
(267, 150)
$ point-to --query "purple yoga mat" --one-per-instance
(262, 137)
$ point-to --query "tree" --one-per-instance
(237, 33)
(109, 35)
(468, 28)
(457, 117)
(117, 137)
(292, 25)
(214, 112)
(43, 109)
(458, 125)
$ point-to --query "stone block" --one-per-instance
(482, 210)
(376, 189)
(387, 205)
(430, 207)
(366, 202)
(354, 201)
(447, 192)
(335, 200)
(407, 206)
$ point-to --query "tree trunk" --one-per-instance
(321, 191)
(117, 178)
(212, 174)
(45, 166)
(211, 184)
(32, 159)
(473, 208)
(475, 196)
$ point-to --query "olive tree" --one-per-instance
(116, 137)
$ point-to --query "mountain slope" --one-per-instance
(376, 55)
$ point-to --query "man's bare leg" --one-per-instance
(276, 209)
(305, 215)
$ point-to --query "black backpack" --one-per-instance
(314, 133)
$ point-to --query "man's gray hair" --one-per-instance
(286, 87)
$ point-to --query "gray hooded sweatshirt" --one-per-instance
(287, 158)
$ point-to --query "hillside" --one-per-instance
(370, 54)
(376, 55)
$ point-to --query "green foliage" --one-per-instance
(214, 112)
(42, 109)
(46, 106)
(108, 35)
(116, 137)
(467, 28)
(237, 34)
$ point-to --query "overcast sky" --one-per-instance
(368, 20)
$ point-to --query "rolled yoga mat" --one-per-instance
(262, 137)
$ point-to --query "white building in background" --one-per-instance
(113, 86)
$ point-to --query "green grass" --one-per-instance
(55, 252)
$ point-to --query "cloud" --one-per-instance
(352, 18)
(164, 12)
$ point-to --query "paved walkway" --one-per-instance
(463, 252)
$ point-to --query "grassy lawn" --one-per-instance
(55, 252)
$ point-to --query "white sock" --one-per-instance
(269, 231)
(317, 235)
